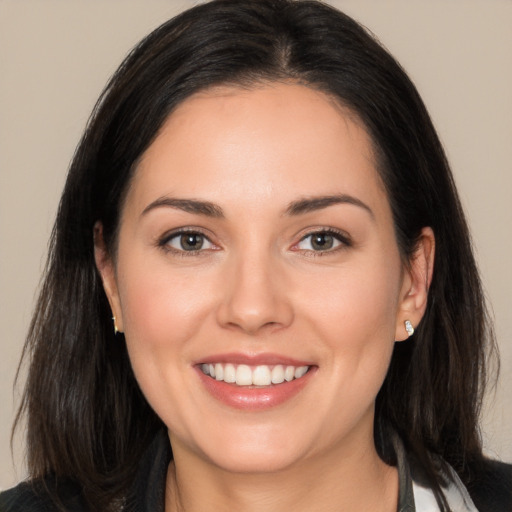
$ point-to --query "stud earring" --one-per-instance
(116, 330)
(409, 328)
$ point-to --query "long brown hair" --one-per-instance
(87, 419)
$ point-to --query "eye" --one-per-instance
(322, 241)
(187, 241)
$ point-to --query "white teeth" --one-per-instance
(261, 375)
(300, 371)
(229, 373)
(243, 375)
(278, 374)
(289, 373)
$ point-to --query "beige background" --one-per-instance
(56, 55)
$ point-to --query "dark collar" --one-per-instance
(148, 491)
(149, 488)
(405, 492)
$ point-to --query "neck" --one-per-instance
(343, 480)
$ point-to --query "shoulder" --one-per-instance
(33, 497)
(146, 493)
(491, 487)
(23, 497)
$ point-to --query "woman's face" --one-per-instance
(257, 242)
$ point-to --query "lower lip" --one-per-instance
(254, 398)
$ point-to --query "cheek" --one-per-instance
(163, 317)
(161, 309)
(362, 300)
(355, 316)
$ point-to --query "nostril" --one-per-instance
(254, 302)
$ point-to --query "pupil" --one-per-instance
(322, 241)
(191, 242)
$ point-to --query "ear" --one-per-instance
(416, 283)
(106, 268)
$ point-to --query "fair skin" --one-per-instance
(289, 259)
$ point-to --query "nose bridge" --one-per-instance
(255, 296)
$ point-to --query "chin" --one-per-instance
(254, 461)
(246, 453)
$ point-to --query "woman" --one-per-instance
(258, 214)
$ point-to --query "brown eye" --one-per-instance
(191, 242)
(188, 242)
(322, 241)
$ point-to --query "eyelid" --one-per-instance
(341, 236)
(163, 241)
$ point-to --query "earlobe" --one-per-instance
(416, 284)
(105, 267)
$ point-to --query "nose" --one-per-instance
(255, 297)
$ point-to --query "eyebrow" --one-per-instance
(310, 204)
(294, 208)
(187, 205)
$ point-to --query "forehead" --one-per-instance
(274, 140)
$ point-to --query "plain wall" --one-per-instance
(56, 55)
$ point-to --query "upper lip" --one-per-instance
(266, 358)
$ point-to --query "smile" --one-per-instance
(261, 375)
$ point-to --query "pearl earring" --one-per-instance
(409, 328)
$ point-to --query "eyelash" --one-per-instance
(339, 236)
(163, 243)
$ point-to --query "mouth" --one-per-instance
(254, 382)
(261, 375)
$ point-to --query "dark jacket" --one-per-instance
(492, 492)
